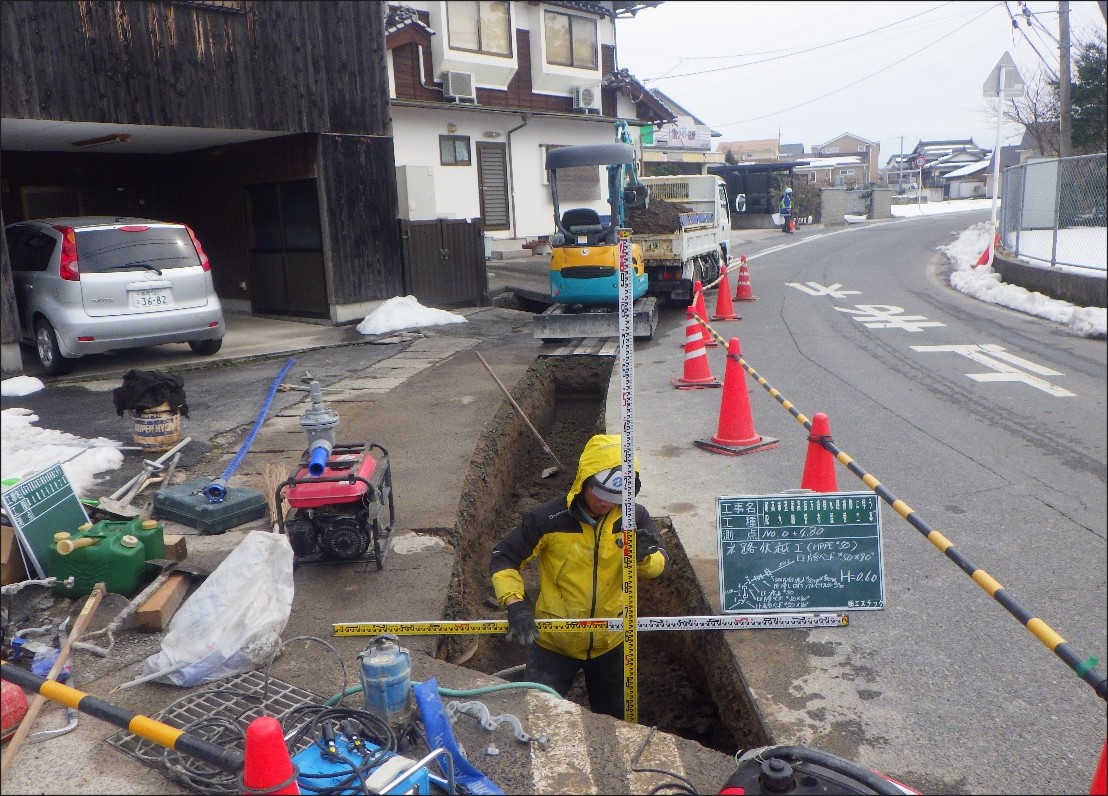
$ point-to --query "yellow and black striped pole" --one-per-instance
(143, 726)
(1084, 668)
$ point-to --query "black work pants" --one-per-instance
(603, 676)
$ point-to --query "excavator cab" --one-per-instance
(584, 260)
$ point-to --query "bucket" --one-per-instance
(158, 428)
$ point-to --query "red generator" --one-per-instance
(345, 514)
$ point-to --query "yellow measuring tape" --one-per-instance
(627, 422)
(472, 627)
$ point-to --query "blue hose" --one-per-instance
(217, 489)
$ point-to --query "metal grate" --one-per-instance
(220, 715)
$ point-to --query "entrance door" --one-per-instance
(492, 179)
(286, 250)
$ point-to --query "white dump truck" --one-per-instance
(685, 237)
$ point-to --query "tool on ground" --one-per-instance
(59, 663)
(168, 568)
(142, 726)
(112, 504)
(467, 627)
(549, 471)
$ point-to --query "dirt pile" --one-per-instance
(660, 218)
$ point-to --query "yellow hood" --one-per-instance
(601, 452)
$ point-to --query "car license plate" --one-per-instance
(145, 299)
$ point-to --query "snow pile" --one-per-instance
(29, 449)
(18, 386)
(404, 312)
(983, 283)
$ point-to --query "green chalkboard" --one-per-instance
(800, 552)
(40, 506)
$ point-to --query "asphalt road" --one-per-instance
(1004, 453)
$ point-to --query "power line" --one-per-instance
(860, 80)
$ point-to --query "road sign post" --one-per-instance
(1004, 82)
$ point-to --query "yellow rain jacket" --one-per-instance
(580, 566)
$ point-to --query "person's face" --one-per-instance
(597, 506)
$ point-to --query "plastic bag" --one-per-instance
(233, 622)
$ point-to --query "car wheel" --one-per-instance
(46, 348)
(205, 347)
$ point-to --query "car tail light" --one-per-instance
(207, 266)
(134, 228)
(68, 268)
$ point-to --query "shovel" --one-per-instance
(549, 471)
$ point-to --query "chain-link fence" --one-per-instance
(1053, 212)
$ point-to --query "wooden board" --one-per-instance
(154, 614)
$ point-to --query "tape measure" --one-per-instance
(473, 627)
(627, 421)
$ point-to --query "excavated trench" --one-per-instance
(689, 684)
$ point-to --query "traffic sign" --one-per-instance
(920, 161)
(1013, 84)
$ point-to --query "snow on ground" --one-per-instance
(940, 208)
(404, 312)
(28, 449)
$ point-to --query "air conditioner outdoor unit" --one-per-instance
(586, 98)
(458, 86)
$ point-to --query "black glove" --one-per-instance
(521, 623)
(646, 543)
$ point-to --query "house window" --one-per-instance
(570, 40)
(861, 149)
(831, 150)
(848, 172)
(483, 26)
(544, 150)
(454, 150)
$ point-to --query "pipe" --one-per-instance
(511, 166)
(317, 458)
(217, 489)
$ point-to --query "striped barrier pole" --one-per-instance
(142, 726)
(1083, 668)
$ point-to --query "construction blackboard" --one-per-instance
(800, 552)
(40, 506)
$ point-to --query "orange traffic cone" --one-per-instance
(697, 373)
(735, 434)
(819, 465)
(987, 255)
(743, 291)
(1099, 785)
(702, 311)
(267, 767)
(725, 310)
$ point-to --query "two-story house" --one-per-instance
(481, 91)
(844, 145)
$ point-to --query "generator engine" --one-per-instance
(337, 534)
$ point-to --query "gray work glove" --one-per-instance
(521, 623)
(646, 543)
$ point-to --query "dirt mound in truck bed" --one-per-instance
(660, 218)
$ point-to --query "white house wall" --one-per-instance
(416, 134)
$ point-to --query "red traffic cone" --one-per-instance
(697, 373)
(735, 434)
(987, 256)
(725, 310)
(743, 292)
(1099, 785)
(702, 311)
(819, 465)
(267, 767)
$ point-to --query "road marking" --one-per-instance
(886, 316)
(563, 767)
(816, 289)
(991, 355)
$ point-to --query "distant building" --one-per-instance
(851, 145)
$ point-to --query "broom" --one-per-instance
(272, 476)
(549, 471)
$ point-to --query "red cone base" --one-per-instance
(735, 434)
(744, 292)
(702, 311)
(725, 310)
(987, 254)
(267, 767)
(819, 465)
(697, 374)
(1099, 785)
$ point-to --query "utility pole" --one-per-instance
(1065, 105)
(900, 159)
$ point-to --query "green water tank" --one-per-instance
(117, 559)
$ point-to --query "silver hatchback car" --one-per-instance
(90, 284)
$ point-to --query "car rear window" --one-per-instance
(100, 250)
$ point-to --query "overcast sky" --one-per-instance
(813, 70)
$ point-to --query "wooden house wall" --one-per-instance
(358, 207)
(276, 65)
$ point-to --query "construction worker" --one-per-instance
(787, 210)
(578, 542)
